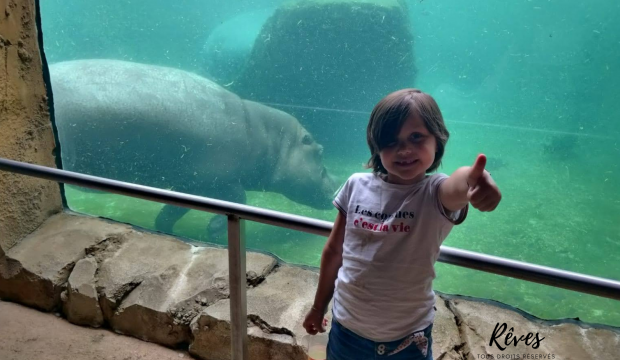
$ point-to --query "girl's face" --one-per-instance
(413, 152)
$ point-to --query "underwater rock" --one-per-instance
(339, 54)
(172, 129)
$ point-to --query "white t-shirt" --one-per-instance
(393, 232)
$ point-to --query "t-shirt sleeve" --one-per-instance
(455, 217)
(341, 202)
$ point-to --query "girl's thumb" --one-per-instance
(476, 170)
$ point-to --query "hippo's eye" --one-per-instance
(306, 140)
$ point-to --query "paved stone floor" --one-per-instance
(28, 334)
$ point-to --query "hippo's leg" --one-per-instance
(168, 216)
(218, 226)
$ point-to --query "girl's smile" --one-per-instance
(405, 163)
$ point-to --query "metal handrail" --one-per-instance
(237, 212)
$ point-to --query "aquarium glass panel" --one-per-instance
(266, 103)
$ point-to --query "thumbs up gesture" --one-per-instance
(483, 193)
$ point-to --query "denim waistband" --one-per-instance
(345, 344)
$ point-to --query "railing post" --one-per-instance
(237, 285)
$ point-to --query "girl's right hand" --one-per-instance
(314, 322)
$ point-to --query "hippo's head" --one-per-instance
(298, 171)
(301, 175)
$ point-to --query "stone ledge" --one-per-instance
(159, 289)
(34, 272)
(566, 340)
(276, 310)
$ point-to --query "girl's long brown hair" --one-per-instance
(388, 117)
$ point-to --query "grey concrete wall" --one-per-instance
(25, 127)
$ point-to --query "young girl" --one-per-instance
(378, 262)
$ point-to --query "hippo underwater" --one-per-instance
(172, 129)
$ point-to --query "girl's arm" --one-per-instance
(470, 184)
(331, 260)
(453, 191)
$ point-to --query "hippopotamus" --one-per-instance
(172, 129)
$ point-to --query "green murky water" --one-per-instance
(532, 84)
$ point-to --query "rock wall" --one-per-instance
(25, 128)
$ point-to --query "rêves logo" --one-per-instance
(499, 331)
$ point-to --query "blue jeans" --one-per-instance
(343, 344)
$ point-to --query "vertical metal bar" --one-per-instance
(237, 284)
